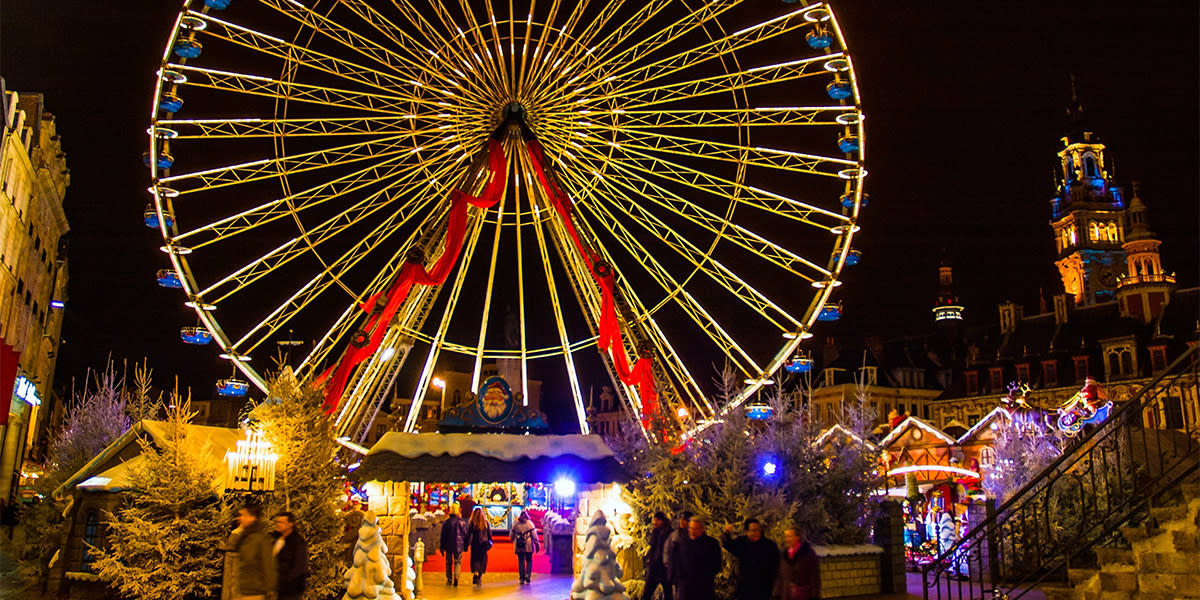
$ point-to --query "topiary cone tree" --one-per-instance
(600, 575)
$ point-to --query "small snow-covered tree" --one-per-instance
(165, 541)
(308, 479)
(369, 577)
(1023, 450)
(600, 575)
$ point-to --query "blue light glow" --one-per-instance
(564, 487)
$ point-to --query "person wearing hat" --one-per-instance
(656, 567)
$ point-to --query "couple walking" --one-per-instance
(476, 535)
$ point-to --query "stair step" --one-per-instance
(1079, 576)
(1190, 490)
(1118, 581)
(1186, 541)
(1059, 592)
(1167, 563)
(1140, 534)
(1114, 556)
(1168, 514)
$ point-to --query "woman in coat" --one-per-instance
(479, 541)
(525, 543)
(799, 570)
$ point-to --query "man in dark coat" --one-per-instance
(656, 568)
(291, 558)
(799, 570)
(453, 543)
(696, 563)
(757, 559)
(673, 541)
(255, 560)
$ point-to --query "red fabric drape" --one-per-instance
(641, 374)
(10, 361)
(335, 378)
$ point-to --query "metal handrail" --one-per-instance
(1019, 544)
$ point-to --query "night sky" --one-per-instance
(965, 105)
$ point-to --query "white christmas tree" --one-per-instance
(368, 578)
(600, 575)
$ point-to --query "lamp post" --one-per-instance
(440, 384)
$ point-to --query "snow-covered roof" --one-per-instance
(838, 428)
(919, 423)
(102, 474)
(500, 446)
(996, 412)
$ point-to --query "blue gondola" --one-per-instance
(164, 161)
(196, 336)
(819, 39)
(150, 216)
(188, 48)
(169, 279)
(217, 4)
(232, 387)
(839, 90)
(853, 257)
(848, 144)
(759, 412)
(799, 364)
(169, 102)
(848, 200)
(830, 312)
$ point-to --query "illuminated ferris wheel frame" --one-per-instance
(624, 81)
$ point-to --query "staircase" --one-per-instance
(1119, 484)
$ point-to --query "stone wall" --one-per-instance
(389, 501)
(850, 570)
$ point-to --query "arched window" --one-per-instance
(1126, 363)
(1094, 231)
(1089, 167)
(1069, 169)
(1113, 232)
(1114, 364)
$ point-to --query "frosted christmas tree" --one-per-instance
(600, 576)
(368, 578)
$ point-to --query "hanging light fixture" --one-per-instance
(251, 467)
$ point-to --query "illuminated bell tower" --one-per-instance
(1087, 217)
(947, 310)
(1144, 289)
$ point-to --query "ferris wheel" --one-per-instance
(639, 190)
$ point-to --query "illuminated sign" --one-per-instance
(27, 391)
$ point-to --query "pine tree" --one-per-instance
(600, 575)
(369, 577)
(308, 480)
(165, 542)
(1022, 451)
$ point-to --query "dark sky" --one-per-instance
(965, 104)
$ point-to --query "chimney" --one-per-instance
(1010, 314)
(1061, 304)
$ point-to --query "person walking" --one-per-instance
(757, 561)
(255, 558)
(696, 561)
(656, 567)
(291, 558)
(673, 541)
(799, 572)
(479, 540)
(453, 543)
(525, 544)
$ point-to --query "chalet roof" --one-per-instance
(910, 423)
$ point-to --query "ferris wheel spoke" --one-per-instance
(714, 269)
(615, 51)
(287, 51)
(636, 182)
(751, 156)
(722, 188)
(329, 277)
(269, 168)
(319, 234)
(494, 52)
(455, 42)
(781, 116)
(431, 63)
(736, 82)
(235, 128)
(524, 75)
(543, 71)
(329, 97)
(387, 167)
(642, 73)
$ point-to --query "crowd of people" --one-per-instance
(684, 562)
(268, 563)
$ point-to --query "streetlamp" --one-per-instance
(440, 384)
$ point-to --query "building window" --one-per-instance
(1049, 373)
(91, 530)
(997, 379)
(1158, 358)
(926, 412)
(1173, 412)
(972, 383)
(987, 458)
(1023, 373)
(1081, 368)
(869, 376)
(1089, 167)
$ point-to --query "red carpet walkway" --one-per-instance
(501, 559)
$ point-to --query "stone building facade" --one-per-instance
(33, 274)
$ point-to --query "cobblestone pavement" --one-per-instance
(498, 586)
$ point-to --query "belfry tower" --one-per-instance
(1087, 216)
